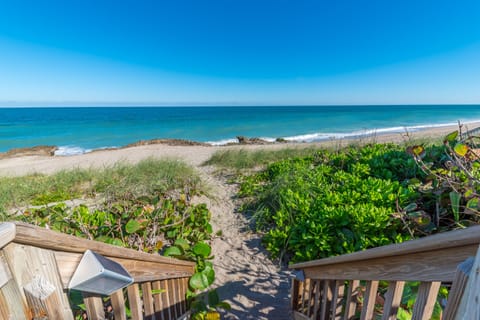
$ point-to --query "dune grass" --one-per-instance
(116, 182)
(247, 159)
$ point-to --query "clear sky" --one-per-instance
(169, 52)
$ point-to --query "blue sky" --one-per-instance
(239, 52)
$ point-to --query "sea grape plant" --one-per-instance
(450, 189)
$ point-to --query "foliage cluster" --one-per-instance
(450, 188)
(146, 207)
(331, 203)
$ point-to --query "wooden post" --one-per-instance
(135, 301)
(42, 299)
(94, 306)
(426, 298)
(351, 303)
(338, 295)
(148, 301)
(470, 305)
(118, 305)
(158, 301)
(458, 287)
(369, 299)
(27, 262)
(393, 298)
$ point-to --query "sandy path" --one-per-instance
(246, 278)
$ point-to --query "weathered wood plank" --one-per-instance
(352, 299)
(12, 302)
(458, 287)
(306, 296)
(118, 304)
(94, 305)
(436, 265)
(148, 301)
(426, 298)
(445, 240)
(7, 233)
(136, 307)
(393, 299)
(470, 304)
(369, 298)
(48, 239)
(26, 262)
(42, 299)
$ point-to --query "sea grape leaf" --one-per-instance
(451, 136)
(410, 207)
(172, 251)
(209, 274)
(468, 193)
(420, 217)
(418, 151)
(198, 281)
(455, 201)
(213, 298)
(132, 226)
(182, 243)
(461, 149)
(202, 249)
(472, 203)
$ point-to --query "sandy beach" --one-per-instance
(256, 287)
(194, 155)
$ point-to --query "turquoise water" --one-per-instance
(79, 130)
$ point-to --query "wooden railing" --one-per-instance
(346, 287)
(37, 264)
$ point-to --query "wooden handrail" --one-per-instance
(432, 260)
(48, 239)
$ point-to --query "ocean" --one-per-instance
(78, 130)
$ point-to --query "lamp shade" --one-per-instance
(97, 274)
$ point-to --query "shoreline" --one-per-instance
(193, 153)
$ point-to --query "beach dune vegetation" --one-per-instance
(331, 202)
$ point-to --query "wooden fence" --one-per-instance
(37, 264)
(346, 287)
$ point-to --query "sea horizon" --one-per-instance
(82, 129)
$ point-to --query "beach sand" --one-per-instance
(256, 287)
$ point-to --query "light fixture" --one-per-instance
(97, 274)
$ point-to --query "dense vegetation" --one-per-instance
(331, 202)
(144, 206)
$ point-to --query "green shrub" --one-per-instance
(331, 203)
